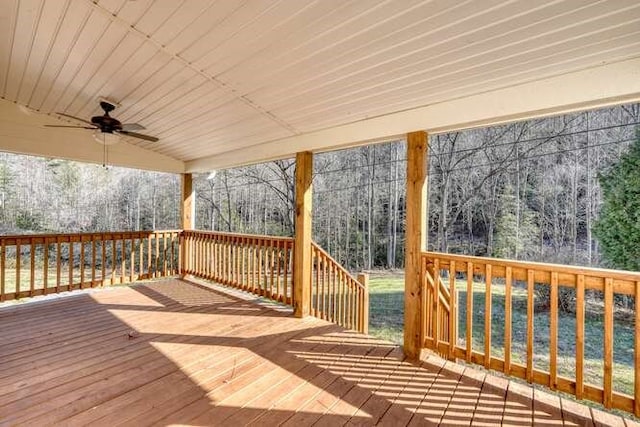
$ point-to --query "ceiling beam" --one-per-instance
(22, 131)
(601, 86)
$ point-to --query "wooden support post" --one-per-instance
(302, 253)
(363, 278)
(187, 216)
(416, 241)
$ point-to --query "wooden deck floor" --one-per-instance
(202, 357)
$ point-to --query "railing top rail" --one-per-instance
(560, 268)
(238, 235)
(93, 233)
(340, 267)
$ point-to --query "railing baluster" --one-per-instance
(2, 270)
(202, 267)
(150, 256)
(262, 284)
(17, 269)
(70, 263)
(45, 266)
(132, 259)
(215, 262)
(103, 256)
(469, 329)
(325, 287)
(175, 253)
(82, 266)
(223, 251)
(185, 253)
(233, 248)
(435, 323)
(286, 292)
(220, 259)
(32, 276)
(487, 316)
(332, 293)
(164, 255)
(336, 277)
(608, 342)
(507, 320)
(58, 264)
(453, 317)
(278, 285)
(271, 268)
(342, 299)
(157, 256)
(114, 260)
(350, 290)
(209, 269)
(232, 267)
(123, 258)
(426, 302)
(226, 259)
(553, 333)
(140, 256)
(580, 336)
(340, 284)
(237, 258)
(224, 271)
(93, 260)
(530, 284)
(345, 301)
(315, 281)
(193, 253)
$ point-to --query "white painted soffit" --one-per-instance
(22, 131)
(601, 86)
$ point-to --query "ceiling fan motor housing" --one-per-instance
(106, 123)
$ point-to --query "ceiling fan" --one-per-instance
(107, 124)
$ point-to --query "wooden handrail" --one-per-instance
(624, 281)
(336, 295)
(237, 235)
(30, 263)
(479, 274)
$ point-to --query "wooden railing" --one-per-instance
(336, 295)
(261, 265)
(33, 265)
(487, 281)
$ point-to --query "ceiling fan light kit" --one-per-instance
(106, 138)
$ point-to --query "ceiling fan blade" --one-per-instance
(74, 118)
(129, 127)
(139, 135)
(74, 127)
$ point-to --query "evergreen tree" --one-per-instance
(515, 232)
(618, 228)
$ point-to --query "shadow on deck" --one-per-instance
(174, 352)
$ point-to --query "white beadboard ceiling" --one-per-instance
(228, 82)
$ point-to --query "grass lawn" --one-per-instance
(386, 321)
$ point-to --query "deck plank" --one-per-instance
(302, 395)
(411, 388)
(491, 402)
(437, 399)
(203, 356)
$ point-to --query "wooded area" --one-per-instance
(52, 195)
(526, 190)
